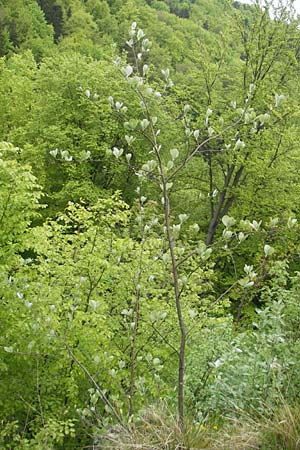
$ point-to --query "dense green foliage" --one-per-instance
(140, 181)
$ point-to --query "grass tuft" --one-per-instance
(157, 429)
(282, 431)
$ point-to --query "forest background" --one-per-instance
(149, 207)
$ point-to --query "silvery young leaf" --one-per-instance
(291, 222)
(279, 99)
(268, 250)
(228, 221)
(54, 152)
(174, 153)
(227, 234)
(183, 217)
(129, 139)
(144, 124)
(145, 69)
(196, 134)
(140, 34)
(127, 71)
(117, 152)
(8, 349)
(239, 145)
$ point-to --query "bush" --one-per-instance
(250, 371)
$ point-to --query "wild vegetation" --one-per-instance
(149, 247)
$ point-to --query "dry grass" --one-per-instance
(157, 429)
(278, 430)
(282, 431)
(237, 435)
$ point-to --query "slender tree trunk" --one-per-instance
(133, 357)
(133, 346)
(175, 277)
(181, 362)
(181, 373)
(132, 370)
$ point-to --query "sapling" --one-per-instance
(164, 166)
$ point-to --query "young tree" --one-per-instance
(165, 165)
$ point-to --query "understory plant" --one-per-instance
(240, 372)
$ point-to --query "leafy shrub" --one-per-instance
(235, 371)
